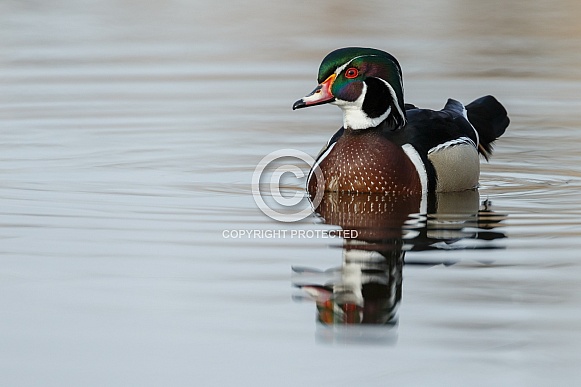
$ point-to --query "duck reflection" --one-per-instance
(367, 287)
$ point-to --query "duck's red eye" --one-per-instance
(351, 73)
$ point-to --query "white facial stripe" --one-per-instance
(395, 100)
(344, 66)
(340, 69)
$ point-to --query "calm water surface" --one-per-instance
(130, 133)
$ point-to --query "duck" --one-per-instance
(388, 146)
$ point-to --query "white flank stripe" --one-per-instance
(316, 165)
(416, 159)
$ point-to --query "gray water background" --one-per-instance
(129, 134)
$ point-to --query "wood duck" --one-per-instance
(391, 147)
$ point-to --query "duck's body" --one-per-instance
(386, 146)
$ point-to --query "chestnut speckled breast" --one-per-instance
(365, 161)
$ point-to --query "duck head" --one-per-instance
(365, 83)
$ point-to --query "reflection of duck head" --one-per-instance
(366, 289)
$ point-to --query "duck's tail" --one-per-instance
(490, 120)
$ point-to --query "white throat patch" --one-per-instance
(353, 115)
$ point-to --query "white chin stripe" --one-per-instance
(355, 118)
(353, 115)
(416, 159)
